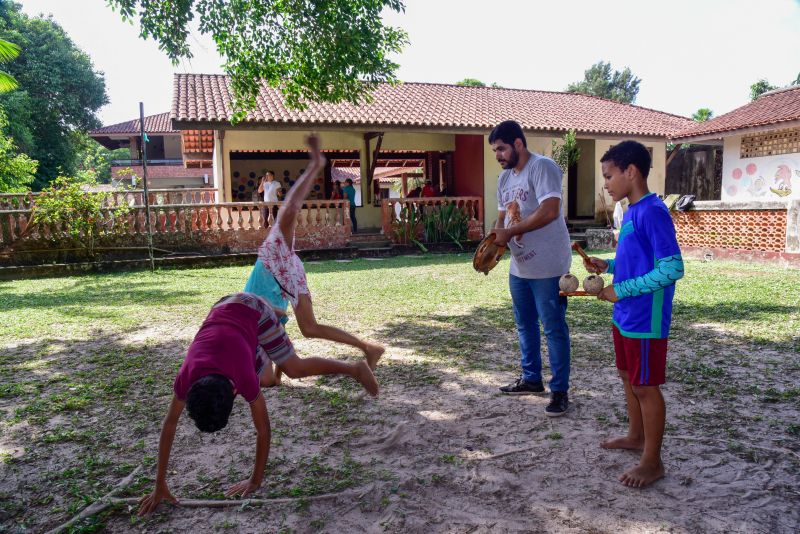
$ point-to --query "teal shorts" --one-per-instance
(263, 284)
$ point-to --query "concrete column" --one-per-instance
(793, 227)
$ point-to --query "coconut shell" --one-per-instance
(568, 283)
(593, 284)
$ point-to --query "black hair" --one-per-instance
(209, 402)
(629, 153)
(348, 181)
(507, 132)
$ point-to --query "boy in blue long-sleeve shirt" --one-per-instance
(647, 265)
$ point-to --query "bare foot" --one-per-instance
(642, 475)
(626, 442)
(270, 376)
(373, 353)
(364, 375)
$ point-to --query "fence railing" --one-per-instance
(182, 218)
(391, 209)
(138, 162)
(130, 197)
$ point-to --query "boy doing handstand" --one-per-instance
(232, 354)
(278, 275)
(646, 266)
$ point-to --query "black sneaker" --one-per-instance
(521, 387)
(559, 404)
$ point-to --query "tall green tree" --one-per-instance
(471, 82)
(8, 51)
(313, 50)
(95, 159)
(600, 80)
(17, 170)
(702, 115)
(759, 88)
(59, 92)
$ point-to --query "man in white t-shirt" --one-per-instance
(269, 188)
(531, 221)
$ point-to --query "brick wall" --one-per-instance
(744, 231)
(749, 229)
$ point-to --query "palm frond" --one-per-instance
(7, 82)
(8, 51)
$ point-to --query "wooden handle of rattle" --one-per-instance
(577, 248)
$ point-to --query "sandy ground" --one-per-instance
(459, 457)
(440, 450)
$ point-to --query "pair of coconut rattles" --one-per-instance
(592, 284)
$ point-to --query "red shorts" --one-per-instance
(645, 359)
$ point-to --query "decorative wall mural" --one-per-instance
(767, 178)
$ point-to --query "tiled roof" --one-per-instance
(153, 124)
(206, 99)
(775, 107)
(198, 140)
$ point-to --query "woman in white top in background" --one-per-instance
(268, 188)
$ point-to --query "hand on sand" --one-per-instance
(242, 488)
(642, 475)
(149, 503)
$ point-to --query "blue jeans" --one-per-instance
(535, 300)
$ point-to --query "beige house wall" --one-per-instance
(656, 181)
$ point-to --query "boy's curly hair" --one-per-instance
(629, 153)
(209, 402)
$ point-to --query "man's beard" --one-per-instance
(512, 160)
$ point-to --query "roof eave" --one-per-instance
(183, 124)
(720, 135)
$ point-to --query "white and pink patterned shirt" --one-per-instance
(285, 265)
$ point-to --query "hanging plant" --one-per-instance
(566, 153)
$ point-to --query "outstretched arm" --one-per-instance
(302, 187)
(150, 502)
(258, 409)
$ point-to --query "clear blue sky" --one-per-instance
(688, 53)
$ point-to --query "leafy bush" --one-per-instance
(440, 223)
(408, 224)
(68, 203)
(445, 222)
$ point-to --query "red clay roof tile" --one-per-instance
(775, 108)
(206, 99)
(153, 124)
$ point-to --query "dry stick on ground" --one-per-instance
(780, 450)
(109, 500)
(198, 503)
(500, 455)
(101, 504)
